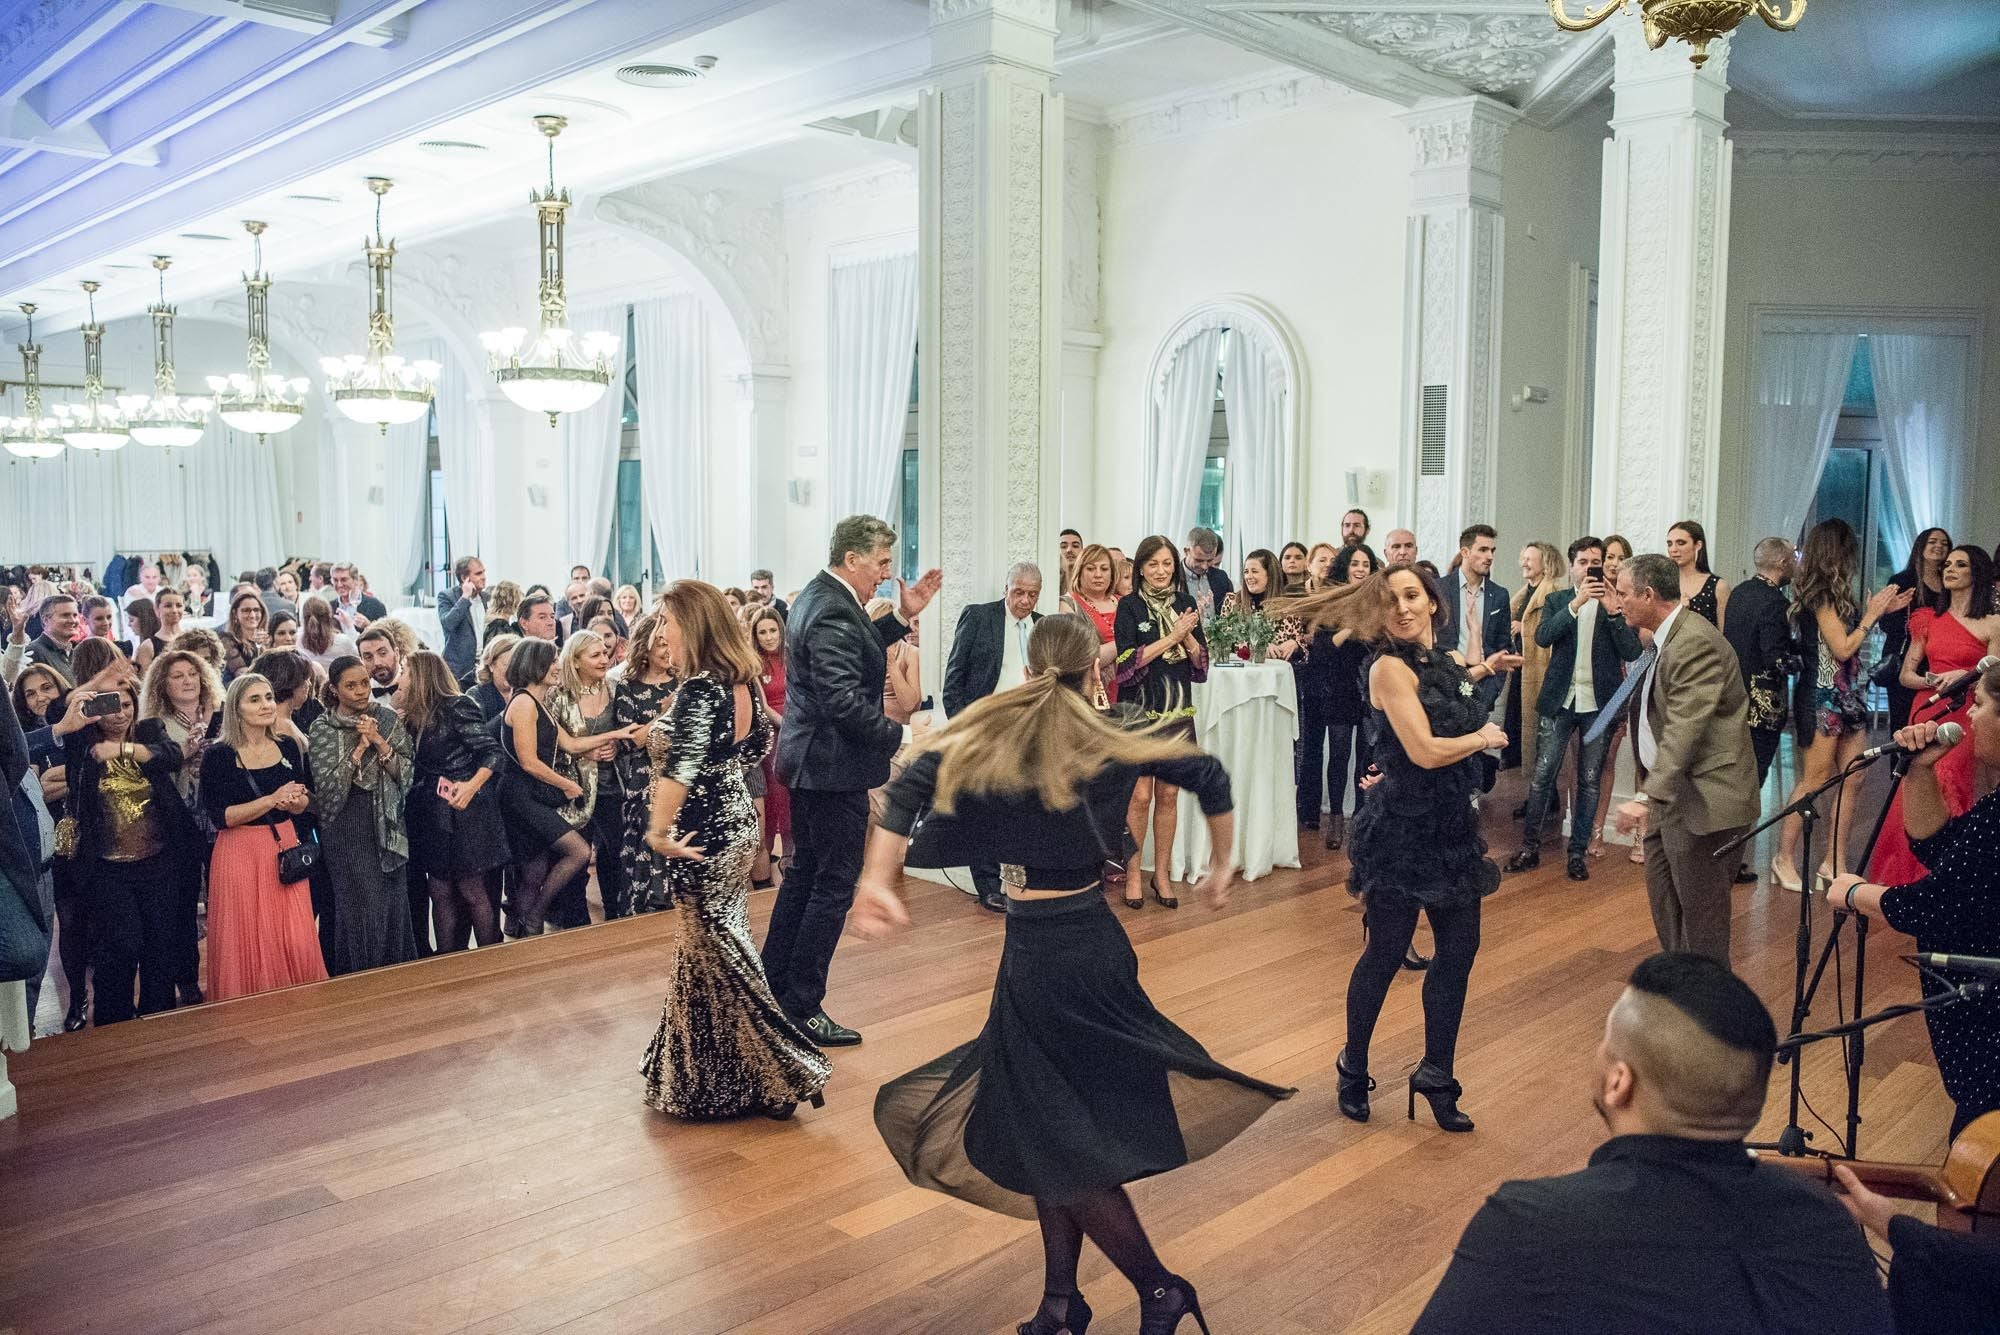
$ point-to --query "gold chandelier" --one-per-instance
(1696, 22)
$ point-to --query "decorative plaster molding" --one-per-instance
(847, 189)
(1487, 52)
(1455, 134)
(1082, 226)
(735, 240)
(1186, 116)
(958, 334)
(1025, 241)
(1041, 12)
(1896, 157)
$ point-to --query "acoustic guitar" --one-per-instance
(1966, 1189)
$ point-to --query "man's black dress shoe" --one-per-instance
(1579, 867)
(994, 900)
(1525, 860)
(829, 1034)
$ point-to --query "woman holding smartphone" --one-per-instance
(457, 834)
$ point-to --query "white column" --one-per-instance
(991, 193)
(1083, 336)
(1451, 354)
(15, 1026)
(1664, 257)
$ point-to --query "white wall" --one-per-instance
(877, 209)
(1304, 211)
(1550, 190)
(1838, 239)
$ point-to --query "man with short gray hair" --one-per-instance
(989, 652)
(836, 745)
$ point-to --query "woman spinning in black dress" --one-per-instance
(1076, 1085)
(1416, 843)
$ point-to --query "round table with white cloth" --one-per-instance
(424, 621)
(1247, 716)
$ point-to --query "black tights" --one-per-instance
(544, 876)
(1391, 922)
(1104, 1215)
(462, 905)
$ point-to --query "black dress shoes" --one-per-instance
(829, 1034)
(1579, 867)
(994, 900)
(1525, 860)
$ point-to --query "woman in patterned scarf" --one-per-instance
(1161, 654)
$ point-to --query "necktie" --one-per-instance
(1021, 634)
(1607, 717)
(1475, 617)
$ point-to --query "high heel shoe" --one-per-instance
(1134, 893)
(782, 1112)
(1160, 1311)
(1075, 1319)
(1164, 900)
(1414, 962)
(78, 1016)
(1353, 1088)
(1783, 881)
(1441, 1092)
(1336, 830)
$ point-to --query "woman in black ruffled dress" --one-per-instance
(1076, 1085)
(1416, 844)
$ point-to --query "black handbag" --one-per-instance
(298, 862)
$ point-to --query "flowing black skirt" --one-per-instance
(1075, 1084)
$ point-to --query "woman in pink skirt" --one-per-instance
(253, 782)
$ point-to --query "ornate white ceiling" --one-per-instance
(1492, 49)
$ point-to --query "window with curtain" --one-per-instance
(1213, 509)
(906, 488)
(437, 537)
(632, 556)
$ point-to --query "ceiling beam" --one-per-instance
(22, 127)
(152, 44)
(43, 40)
(299, 16)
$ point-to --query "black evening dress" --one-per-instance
(1417, 833)
(1076, 1083)
(645, 870)
(1705, 603)
(531, 805)
(724, 1046)
(446, 843)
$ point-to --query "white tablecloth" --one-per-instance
(1246, 716)
(423, 620)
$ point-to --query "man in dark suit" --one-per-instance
(836, 745)
(52, 647)
(1588, 643)
(1673, 1226)
(462, 614)
(1478, 622)
(1697, 775)
(989, 652)
(761, 584)
(1759, 629)
(1202, 574)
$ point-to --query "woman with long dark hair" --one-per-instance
(243, 634)
(1162, 652)
(185, 694)
(1076, 1085)
(1703, 592)
(456, 832)
(362, 764)
(1292, 569)
(144, 619)
(1923, 572)
(724, 1047)
(1417, 846)
(1829, 704)
(766, 625)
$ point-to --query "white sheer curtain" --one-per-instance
(405, 494)
(872, 342)
(1801, 380)
(1260, 485)
(1185, 403)
(464, 455)
(1920, 397)
(590, 442)
(670, 348)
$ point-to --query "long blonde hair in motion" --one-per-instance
(1042, 737)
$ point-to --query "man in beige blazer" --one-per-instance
(1697, 772)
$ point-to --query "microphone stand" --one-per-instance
(1792, 1139)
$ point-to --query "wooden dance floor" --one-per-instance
(460, 1145)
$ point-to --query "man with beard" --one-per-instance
(385, 665)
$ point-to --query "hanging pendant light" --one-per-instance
(163, 418)
(93, 424)
(33, 435)
(380, 387)
(559, 371)
(258, 400)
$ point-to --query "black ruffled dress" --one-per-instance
(1076, 1082)
(1417, 833)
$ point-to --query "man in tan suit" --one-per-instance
(1697, 771)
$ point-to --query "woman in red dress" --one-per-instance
(767, 633)
(1944, 649)
(1092, 597)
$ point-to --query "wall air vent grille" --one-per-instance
(1430, 444)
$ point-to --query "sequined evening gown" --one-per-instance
(724, 1047)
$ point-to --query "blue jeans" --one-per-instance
(1552, 736)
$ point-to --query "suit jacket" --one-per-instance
(836, 738)
(461, 637)
(1614, 643)
(1496, 631)
(1660, 1235)
(978, 647)
(1704, 773)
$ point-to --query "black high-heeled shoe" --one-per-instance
(1160, 1311)
(1075, 1319)
(1441, 1092)
(1353, 1087)
(1414, 962)
(1165, 901)
(78, 1016)
(782, 1112)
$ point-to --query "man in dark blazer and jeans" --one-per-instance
(836, 745)
(1477, 620)
(989, 652)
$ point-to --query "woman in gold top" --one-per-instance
(135, 842)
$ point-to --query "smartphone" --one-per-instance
(446, 788)
(102, 704)
(1595, 572)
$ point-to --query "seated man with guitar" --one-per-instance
(1673, 1227)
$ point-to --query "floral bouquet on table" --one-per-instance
(1245, 633)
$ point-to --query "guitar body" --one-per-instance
(1966, 1190)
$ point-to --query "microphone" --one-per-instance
(1949, 732)
(1977, 965)
(1957, 693)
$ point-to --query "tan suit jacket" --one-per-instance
(1704, 776)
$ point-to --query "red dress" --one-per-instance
(777, 798)
(1949, 647)
(1107, 631)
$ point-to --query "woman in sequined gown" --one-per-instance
(724, 1046)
